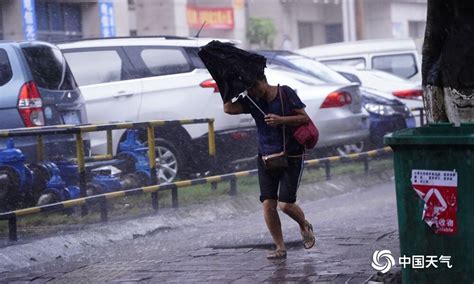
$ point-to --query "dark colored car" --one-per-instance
(38, 89)
(386, 114)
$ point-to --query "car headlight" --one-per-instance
(379, 109)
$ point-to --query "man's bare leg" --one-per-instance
(295, 213)
(273, 222)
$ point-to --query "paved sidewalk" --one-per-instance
(349, 228)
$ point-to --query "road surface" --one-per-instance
(226, 242)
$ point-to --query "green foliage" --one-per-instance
(261, 32)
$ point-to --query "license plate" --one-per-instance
(411, 122)
(71, 117)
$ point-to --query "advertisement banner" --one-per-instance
(215, 18)
(107, 19)
(438, 189)
(29, 19)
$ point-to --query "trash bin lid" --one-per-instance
(433, 134)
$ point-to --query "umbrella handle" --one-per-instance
(245, 95)
(241, 95)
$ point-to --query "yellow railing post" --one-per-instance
(152, 161)
(211, 138)
(81, 168)
(212, 147)
(110, 147)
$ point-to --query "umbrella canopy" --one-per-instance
(234, 70)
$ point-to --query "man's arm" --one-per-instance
(300, 117)
(233, 108)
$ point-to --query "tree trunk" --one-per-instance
(448, 61)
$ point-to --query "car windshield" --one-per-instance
(48, 67)
(318, 69)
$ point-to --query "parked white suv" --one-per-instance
(397, 56)
(139, 79)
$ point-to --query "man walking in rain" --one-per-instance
(276, 110)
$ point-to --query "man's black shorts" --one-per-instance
(287, 179)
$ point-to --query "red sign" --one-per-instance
(215, 18)
(438, 189)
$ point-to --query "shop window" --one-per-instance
(58, 21)
(334, 33)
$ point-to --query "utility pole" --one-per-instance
(349, 20)
(360, 19)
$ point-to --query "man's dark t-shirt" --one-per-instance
(270, 138)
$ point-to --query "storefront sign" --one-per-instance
(215, 18)
(29, 19)
(438, 189)
(107, 19)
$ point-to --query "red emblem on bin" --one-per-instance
(438, 189)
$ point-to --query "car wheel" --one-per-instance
(350, 149)
(169, 164)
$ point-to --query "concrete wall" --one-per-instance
(390, 19)
(240, 20)
(12, 20)
(181, 27)
(90, 20)
(155, 17)
(377, 22)
(309, 13)
(286, 16)
(403, 13)
(122, 25)
(332, 15)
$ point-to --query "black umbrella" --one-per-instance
(234, 70)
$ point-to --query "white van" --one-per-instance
(399, 57)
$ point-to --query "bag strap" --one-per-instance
(283, 114)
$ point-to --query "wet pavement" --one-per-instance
(230, 245)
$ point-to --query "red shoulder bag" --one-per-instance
(306, 134)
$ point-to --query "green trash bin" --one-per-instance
(434, 176)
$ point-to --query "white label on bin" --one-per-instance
(438, 189)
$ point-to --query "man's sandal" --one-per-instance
(277, 254)
(308, 236)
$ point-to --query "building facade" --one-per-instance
(217, 19)
(298, 23)
(303, 23)
(62, 20)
